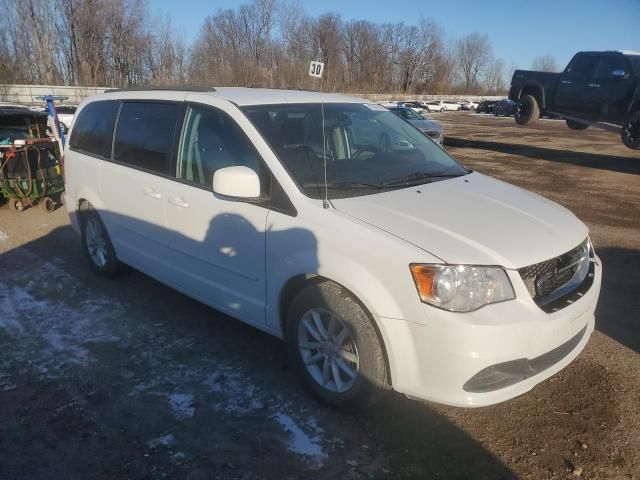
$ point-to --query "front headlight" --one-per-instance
(461, 288)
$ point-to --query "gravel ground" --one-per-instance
(126, 378)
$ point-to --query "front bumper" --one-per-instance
(437, 360)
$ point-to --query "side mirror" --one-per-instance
(236, 182)
(618, 73)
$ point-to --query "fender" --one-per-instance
(369, 290)
(539, 89)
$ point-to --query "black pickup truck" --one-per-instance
(600, 88)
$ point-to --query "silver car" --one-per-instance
(431, 128)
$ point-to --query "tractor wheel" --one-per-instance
(48, 205)
(17, 204)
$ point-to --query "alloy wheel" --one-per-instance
(96, 242)
(328, 350)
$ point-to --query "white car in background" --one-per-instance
(469, 105)
(65, 115)
(442, 105)
(337, 226)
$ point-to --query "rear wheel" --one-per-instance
(443, 109)
(335, 348)
(48, 205)
(573, 125)
(528, 110)
(97, 245)
(631, 131)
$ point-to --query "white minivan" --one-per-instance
(332, 223)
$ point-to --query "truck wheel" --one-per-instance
(631, 131)
(576, 125)
(528, 110)
(335, 348)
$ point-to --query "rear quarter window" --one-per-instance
(93, 129)
(144, 135)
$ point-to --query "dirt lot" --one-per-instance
(126, 378)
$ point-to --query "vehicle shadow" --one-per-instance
(617, 313)
(583, 159)
(162, 331)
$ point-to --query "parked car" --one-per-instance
(505, 108)
(65, 115)
(415, 106)
(595, 87)
(486, 106)
(469, 105)
(431, 128)
(442, 106)
(380, 268)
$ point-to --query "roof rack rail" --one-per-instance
(176, 89)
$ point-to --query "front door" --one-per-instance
(217, 244)
(609, 93)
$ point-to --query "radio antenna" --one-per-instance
(316, 69)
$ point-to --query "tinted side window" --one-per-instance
(212, 140)
(583, 66)
(608, 64)
(93, 130)
(144, 135)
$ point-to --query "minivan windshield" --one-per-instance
(367, 148)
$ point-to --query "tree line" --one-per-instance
(263, 43)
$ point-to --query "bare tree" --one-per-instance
(494, 77)
(258, 43)
(473, 53)
(545, 63)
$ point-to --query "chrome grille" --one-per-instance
(559, 277)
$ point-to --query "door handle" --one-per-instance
(565, 82)
(594, 85)
(150, 192)
(178, 202)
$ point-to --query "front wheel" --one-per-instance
(631, 131)
(335, 348)
(576, 125)
(528, 110)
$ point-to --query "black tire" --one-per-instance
(371, 381)
(443, 109)
(111, 266)
(576, 125)
(48, 205)
(528, 110)
(631, 131)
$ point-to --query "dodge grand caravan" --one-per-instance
(339, 227)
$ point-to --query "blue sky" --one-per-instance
(519, 30)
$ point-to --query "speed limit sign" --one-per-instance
(316, 69)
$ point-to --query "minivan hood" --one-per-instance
(472, 219)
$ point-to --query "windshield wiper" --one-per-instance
(342, 185)
(417, 178)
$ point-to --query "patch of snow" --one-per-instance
(182, 405)
(3, 237)
(299, 441)
(165, 441)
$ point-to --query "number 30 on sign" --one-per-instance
(316, 69)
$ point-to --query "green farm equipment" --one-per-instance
(30, 168)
